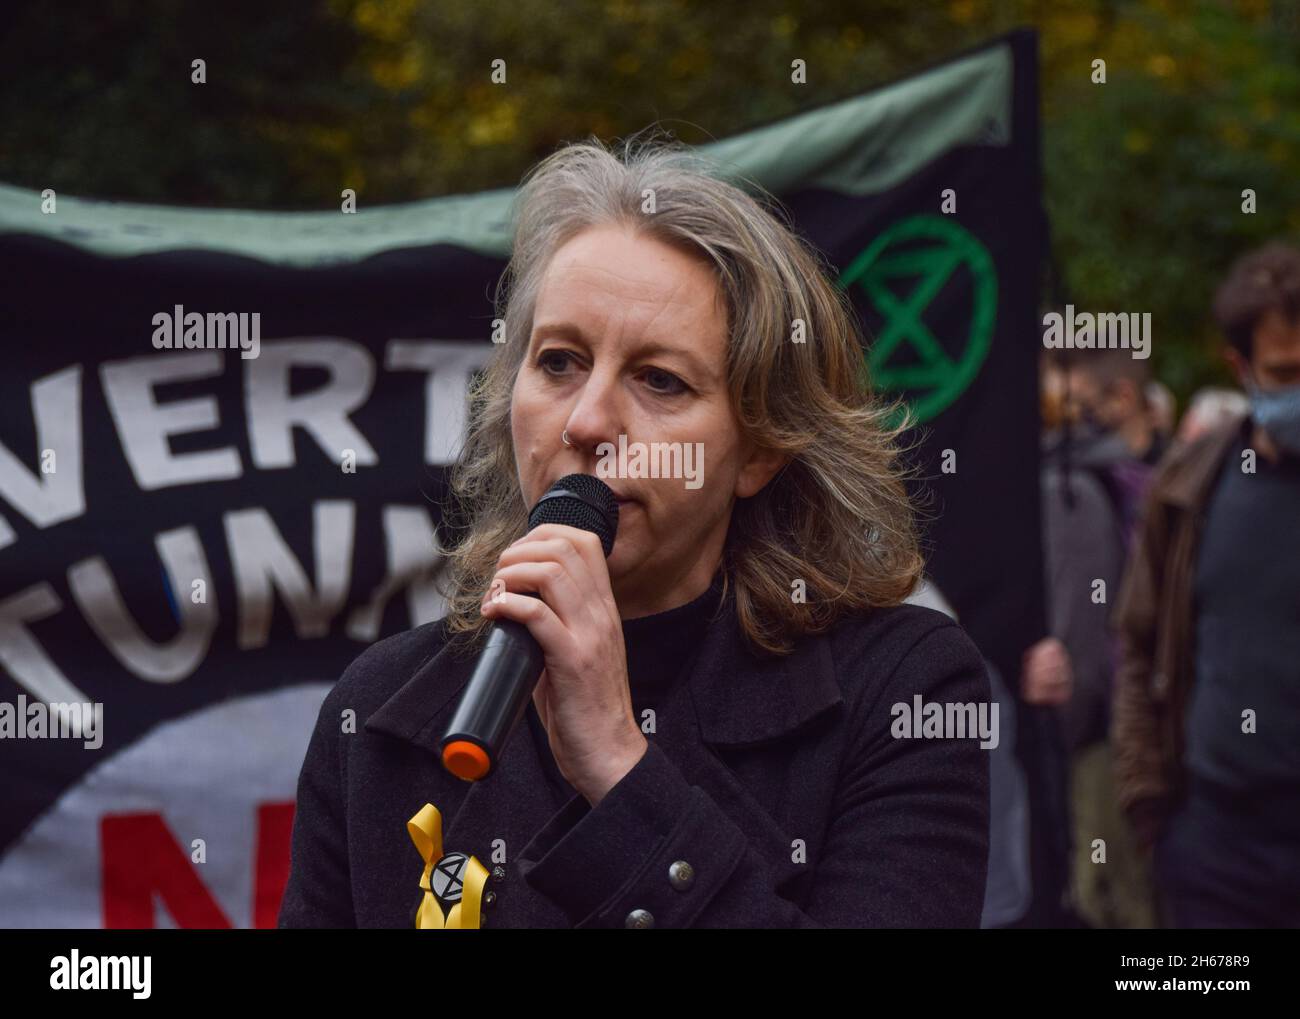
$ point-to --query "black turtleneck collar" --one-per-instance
(660, 646)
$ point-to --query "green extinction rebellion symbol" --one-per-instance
(906, 357)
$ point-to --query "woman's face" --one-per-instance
(629, 339)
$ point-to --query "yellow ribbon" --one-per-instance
(426, 832)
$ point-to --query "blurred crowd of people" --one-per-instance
(1172, 669)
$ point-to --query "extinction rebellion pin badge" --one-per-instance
(453, 883)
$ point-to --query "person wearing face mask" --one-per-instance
(1110, 389)
(1206, 722)
(1112, 435)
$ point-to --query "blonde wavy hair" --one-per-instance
(837, 516)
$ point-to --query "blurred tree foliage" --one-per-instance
(395, 99)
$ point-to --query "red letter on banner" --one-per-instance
(142, 858)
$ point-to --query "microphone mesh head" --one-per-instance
(579, 500)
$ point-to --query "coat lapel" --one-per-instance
(738, 700)
(741, 698)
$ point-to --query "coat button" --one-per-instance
(1160, 684)
(681, 875)
(639, 919)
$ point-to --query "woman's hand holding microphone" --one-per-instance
(582, 696)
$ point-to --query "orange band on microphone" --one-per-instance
(465, 760)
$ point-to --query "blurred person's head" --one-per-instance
(1107, 391)
(1107, 387)
(1258, 309)
(674, 325)
(1211, 408)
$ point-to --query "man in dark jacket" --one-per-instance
(1207, 714)
(775, 793)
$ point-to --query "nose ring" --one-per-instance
(564, 437)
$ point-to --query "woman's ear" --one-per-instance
(760, 467)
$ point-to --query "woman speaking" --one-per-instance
(713, 740)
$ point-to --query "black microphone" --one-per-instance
(511, 661)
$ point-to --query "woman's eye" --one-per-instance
(553, 359)
(665, 383)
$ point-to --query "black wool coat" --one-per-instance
(776, 779)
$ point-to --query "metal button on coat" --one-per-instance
(640, 919)
(681, 875)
